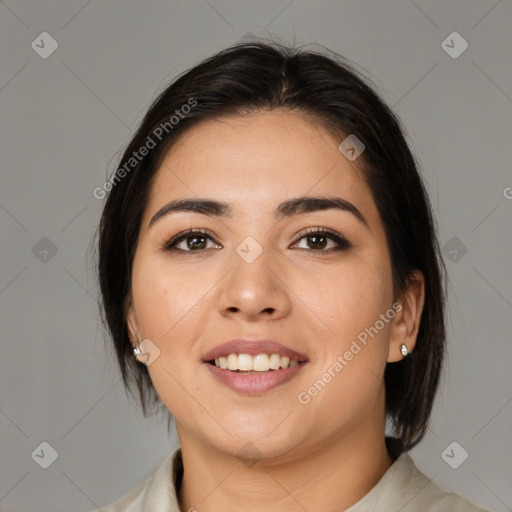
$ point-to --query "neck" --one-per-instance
(330, 479)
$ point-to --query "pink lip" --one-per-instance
(254, 384)
(253, 348)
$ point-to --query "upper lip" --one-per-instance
(253, 348)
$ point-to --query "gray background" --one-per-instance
(64, 118)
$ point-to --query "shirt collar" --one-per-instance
(400, 485)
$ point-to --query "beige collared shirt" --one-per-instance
(402, 488)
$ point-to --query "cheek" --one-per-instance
(352, 349)
(168, 303)
(166, 297)
(348, 298)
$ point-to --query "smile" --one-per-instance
(253, 367)
(261, 378)
(253, 364)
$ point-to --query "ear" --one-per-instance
(131, 322)
(406, 322)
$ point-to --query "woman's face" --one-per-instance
(258, 276)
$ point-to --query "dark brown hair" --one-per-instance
(253, 77)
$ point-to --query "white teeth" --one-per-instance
(245, 362)
(259, 363)
(232, 362)
(275, 362)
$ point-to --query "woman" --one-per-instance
(270, 274)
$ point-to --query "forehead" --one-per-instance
(256, 161)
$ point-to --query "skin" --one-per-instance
(325, 455)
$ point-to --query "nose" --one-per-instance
(255, 290)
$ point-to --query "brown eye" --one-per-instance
(190, 241)
(318, 239)
(195, 242)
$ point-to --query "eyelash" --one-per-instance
(342, 243)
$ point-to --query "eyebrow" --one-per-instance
(287, 208)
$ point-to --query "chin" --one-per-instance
(250, 447)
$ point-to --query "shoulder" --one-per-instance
(155, 493)
(404, 487)
(131, 502)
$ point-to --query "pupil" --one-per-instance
(316, 237)
(195, 245)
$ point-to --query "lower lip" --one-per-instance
(254, 384)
